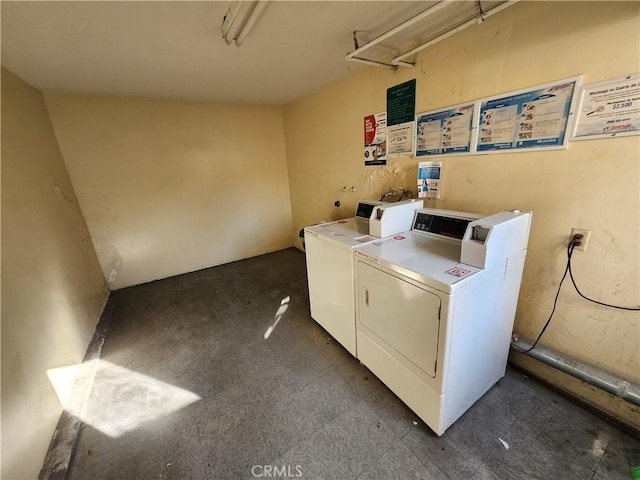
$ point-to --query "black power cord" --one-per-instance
(573, 243)
(591, 299)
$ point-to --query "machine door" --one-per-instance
(402, 315)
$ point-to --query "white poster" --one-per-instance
(400, 139)
(608, 109)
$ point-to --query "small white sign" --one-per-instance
(457, 272)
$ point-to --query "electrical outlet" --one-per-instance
(584, 241)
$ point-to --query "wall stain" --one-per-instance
(57, 189)
(115, 264)
(380, 180)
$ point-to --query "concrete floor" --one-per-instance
(189, 388)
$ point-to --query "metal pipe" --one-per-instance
(377, 63)
(373, 62)
(429, 11)
(453, 31)
(624, 389)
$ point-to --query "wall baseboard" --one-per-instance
(65, 437)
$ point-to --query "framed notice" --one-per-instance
(608, 109)
(529, 119)
(445, 131)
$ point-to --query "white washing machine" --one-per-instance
(329, 251)
(436, 305)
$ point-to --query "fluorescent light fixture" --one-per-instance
(240, 18)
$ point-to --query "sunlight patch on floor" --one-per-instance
(284, 306)
(113, 399)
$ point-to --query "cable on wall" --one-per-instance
(573, 243)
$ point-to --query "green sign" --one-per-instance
(401, 103)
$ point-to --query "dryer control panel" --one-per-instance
(440, 225)
(443, 223)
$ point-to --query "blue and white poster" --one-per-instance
(429, 174)
(447, 131)
(532, 118)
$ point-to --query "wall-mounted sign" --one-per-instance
(429, 179)
(401, 112)
(608, 109)
(400, 139)
(401, 103)
(445, 131)
(375, 139)
(534, 118)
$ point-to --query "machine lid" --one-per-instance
(429, 260)
(347, 233)
(364, 210)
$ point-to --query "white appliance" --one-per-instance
(436, 305)
(328, 248)
(391, 218)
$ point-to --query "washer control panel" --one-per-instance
(364, 209)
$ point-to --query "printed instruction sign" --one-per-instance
(401, 103)
(608, 109)
(445, 131)
(375, 139)
(400, 139)
(527, 119)
(401, 112)
(429, 179)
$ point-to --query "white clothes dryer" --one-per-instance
(436, 305)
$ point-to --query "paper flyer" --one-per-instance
(400, 139)
(429, 179)
(375, 139)
(609, 109)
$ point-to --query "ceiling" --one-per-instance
(173, 49)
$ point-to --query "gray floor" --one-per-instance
(298, 401)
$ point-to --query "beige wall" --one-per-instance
(52, 288)
(168, 187)
(593, 184)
